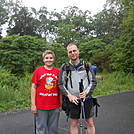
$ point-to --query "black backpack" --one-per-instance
(67, 67)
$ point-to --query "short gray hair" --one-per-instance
(71, 44)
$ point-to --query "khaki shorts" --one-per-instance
(75, 110)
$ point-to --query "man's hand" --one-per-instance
(72, 99)
(83, 95)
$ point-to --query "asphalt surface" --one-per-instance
(116, 116)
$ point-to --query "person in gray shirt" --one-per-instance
(69, 86)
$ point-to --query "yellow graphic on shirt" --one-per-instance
(49, 85)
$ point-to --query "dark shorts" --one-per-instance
(75, 110)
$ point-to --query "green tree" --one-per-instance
(106, 25)
(81, 20)
(43, 17)
(90, 48)
(23, 23)
(21, 53)
(102, 60)
(67, 34)
(3, 14)
(123, 55)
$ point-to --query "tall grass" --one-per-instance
(15, 91)
(113, 83)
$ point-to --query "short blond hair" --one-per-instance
(48, 52)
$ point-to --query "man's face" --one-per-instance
(73, 53)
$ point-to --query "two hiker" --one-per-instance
(69, 86)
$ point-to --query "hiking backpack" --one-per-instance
(86, 65)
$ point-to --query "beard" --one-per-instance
(74, 59)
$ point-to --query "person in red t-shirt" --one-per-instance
(45, 96)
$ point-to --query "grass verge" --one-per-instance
(15, 91)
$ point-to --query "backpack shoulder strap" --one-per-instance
(67, 68)
(86, 64)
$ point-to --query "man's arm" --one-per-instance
(62, 87)
(61, 81)
(93, 81)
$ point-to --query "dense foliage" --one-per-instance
(20, 54)
(15, 91)
(105, 39)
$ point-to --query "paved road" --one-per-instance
(116, 116)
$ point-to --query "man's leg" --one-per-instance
(74, 115)
(73, 126)
(90, 126)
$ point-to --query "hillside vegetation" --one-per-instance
(106, 40)
(15, 91)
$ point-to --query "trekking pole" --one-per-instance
(82, 106)
(34, 124)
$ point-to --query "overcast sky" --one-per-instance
(94, 6)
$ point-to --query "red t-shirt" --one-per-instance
(47, 93)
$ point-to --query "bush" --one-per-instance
(113, 83)
(7, 79)
(15, 91)
(21, 53)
